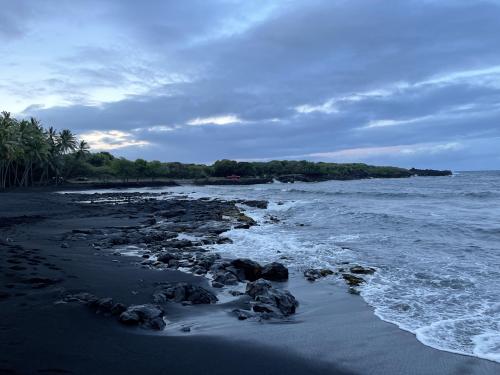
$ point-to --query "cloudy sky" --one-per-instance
(408, 83)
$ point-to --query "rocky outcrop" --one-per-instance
(230, 272)
(430, 172)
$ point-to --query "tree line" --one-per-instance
(32, 155)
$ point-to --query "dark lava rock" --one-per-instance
(362, 270)
(255, 203)
(275, 272)
(272, 219)
(167, 257)
(206, 260)
(243, 314)
(158, 236)
(269, 300)
(172, 212)
(226, 278)
(118, 308)
(352, 280)
(242, 226)
(147, 316)
(242, 218)
(182, 292)
(224, 240)
(119, 240)
(251, 270)
(178, 244)
(104, 304)
(315, 274)
(216, 284)
(82, 297)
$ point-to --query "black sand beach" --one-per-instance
(50, 253)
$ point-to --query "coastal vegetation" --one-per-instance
(33, 155)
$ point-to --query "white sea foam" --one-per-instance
(131, 250)
(487, 345)
(443, 296)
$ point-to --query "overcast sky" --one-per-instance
(408, 83)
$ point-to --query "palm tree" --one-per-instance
(67, 141)
(8, 137)
(82, 149)
(29, 152)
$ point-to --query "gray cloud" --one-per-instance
(373, 76)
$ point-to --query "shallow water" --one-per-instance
(434, 241)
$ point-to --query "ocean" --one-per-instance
(435, 242)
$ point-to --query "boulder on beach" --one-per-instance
(272, 302)
(184, 292)
(275, 272)
(146, 316)
(251, 270)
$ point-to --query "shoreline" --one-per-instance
(212, 181)
(356, 339)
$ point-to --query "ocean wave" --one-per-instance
(398, 194)
(373, 194)
(481, 194)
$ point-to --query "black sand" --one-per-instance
(335, 333)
